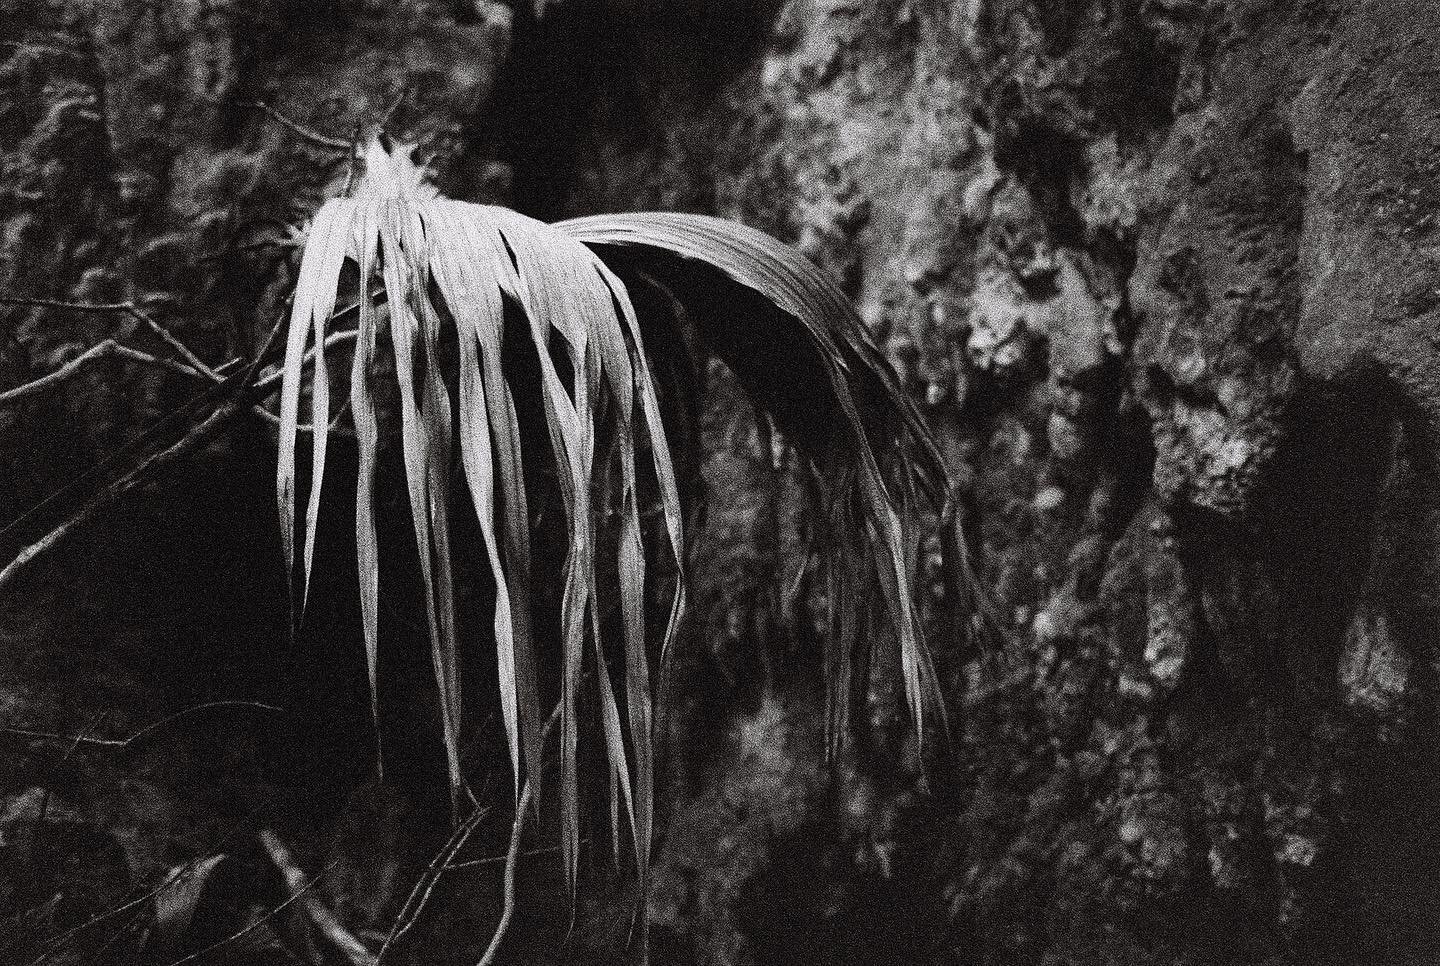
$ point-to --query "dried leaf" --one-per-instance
(442, 262)
(362, 407)
(841, 349)
(314, 302)
(178, 898)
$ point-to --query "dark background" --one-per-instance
(1162, 274)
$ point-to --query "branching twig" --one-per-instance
(512, 857)
(187, 444)
(295, 896)
(193, 366)
(127, 745)
(242, 386)
(425, 885)
(319, 914)
(96, 353)
(442, 864)
(124, 308)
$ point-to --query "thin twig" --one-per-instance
(94, 354)
(394, 106)
(267, 385)
(273, 336)
(339, 415)
(314, 137)
(307, 134)
(53, 945)
(497, 859)
(512, 857)
(140, 737)
(259, 245)
(135, 312)
(319, 914)
(295, 896)
(420, 894)
(187, 444)
(512, 861)
(354, 163)
(47, 303)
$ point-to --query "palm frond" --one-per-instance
(825, 381)
(440, 263)
(424, 265)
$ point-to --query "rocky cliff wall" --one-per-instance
(1160, 272)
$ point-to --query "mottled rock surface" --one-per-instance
(1162, 274)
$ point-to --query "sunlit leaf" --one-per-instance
(831, 341)
(440, 266)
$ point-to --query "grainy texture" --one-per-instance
(1161, 272)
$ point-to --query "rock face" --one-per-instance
(1159, 272)
(1162, 274)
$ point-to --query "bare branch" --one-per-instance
(425, 885)
(305, 133)
(512, 857)
(123, 308)
(324, 921)
(140, 737)
(193, 367)
(442, 863)
(187, 444)
(295, 896)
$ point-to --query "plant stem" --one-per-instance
(319, 914)
(90, 356)
(186, 445)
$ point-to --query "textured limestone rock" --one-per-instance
(1162, 274)
(1158, 271)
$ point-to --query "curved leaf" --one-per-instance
(840, 349)
(445, 263)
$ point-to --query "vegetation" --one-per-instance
(475, 320)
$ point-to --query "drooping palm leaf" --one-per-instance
(425, 264)
(440, 263)
(824, 380)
